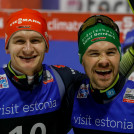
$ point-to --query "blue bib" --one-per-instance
(18, 103)
(116, 116)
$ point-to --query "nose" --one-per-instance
(103, 61)
(28, 48)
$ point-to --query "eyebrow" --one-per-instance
(17, 37)
(94, 50)
(115, 48)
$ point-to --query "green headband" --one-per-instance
(97, 33)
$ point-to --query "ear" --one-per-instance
(7, 51)
(82, 63)
(46, 49)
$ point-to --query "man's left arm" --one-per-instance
(127, 62)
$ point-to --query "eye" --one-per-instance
(111, 53)
(94, 54)
(35, 41)
(20, 41)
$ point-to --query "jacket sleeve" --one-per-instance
(69, 75)
(71, 78)
(127, 62)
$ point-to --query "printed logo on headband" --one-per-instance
(99, 38)
(93, 35)
(21, 20)
(25, 26)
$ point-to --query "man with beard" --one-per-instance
(103, 102)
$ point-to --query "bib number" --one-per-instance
(18, 129)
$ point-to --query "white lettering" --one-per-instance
(15, 109)
(21, 20)
(104, 122)
(83, 120)
(96, 33)
(55, 25)
(39, 106)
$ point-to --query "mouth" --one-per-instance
(103, 72)
(27, 57)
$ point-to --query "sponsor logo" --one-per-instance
(99, 38)
(58, 25)
(129, 96)
(110, 93)
(21, 20)
(25, 26)
(83, 91)
(3, 81)
(95, 35)
(47, 77)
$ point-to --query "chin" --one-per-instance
(104, 85)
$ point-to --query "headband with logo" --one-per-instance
(26, 19)
(98, 32)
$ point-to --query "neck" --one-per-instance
(30, 79)
(106, 95)
(20, 75)
(22, 81)
(16, 71)
(104, 90)
(24, 71)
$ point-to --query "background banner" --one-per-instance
(64, 26)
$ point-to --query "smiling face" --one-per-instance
(101, 63)
(27, 49)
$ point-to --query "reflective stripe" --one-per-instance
(59, 82)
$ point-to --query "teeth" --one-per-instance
(102, 71)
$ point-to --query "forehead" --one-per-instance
(26, 33)
(101, 45)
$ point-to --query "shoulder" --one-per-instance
(62, 68)
(68, 75)
(59, 68)
(65, 71)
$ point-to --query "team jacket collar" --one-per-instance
(109, 93)
(21, 81)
